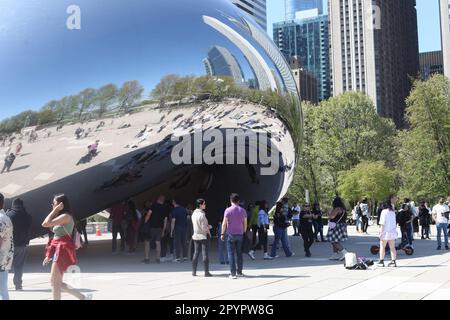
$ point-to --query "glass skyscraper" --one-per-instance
(293, 6)
(308, 40)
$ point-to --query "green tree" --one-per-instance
(368, 179)
(424, 150)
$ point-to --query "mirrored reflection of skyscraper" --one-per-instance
(445, 34)
(308, 40)
(220, 62)
(259, 66)
(255, 8)
(293, 6)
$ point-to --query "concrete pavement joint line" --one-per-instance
(172, 295)
(258, 286)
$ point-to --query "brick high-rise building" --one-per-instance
(374, 49)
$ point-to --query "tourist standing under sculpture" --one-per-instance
(21, 221)
(234, 226)
(201, 237)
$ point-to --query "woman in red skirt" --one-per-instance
(61, 248)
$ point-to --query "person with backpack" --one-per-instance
(280, 224)
(21, 221)
(61, 250)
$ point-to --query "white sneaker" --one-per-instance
(232, 276)
(335, 256)
(252, 254)
(88, 296)
(342, 254)
(267, 257)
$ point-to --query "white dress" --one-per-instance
(389, 222)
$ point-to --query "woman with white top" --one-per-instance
(388, 232)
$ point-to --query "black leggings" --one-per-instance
(262, 239)
(425, 231)
(365, 223)
(308, 237)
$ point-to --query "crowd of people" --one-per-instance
(179, 233)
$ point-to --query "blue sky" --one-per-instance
(427, 14)
(46, 61)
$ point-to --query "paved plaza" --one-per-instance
(425, 275)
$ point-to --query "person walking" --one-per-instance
(132, 218)
(306, 228)
(234, 225)
(296, 219)
(263, 227)
(317, 222)
(157, 218)
(18, 148)
(61, 248)
(116, 215)
(280, 224)
(81, 228)
(178, 231)
(365, 215)
(404, 218)
(222, 244)
(21, 221)
(388, 232)
(9, 160)
(201, 237)
(358, 214)
(253, 222)
(6, 249)
(425, 220)
(440, 214)
(337, 229)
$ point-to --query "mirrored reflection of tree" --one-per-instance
(164, 90)
(87, 101)
(106, 96)
(129, 95)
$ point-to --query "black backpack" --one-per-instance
(359, 212)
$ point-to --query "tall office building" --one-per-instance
(308, 40)
(255, 8)
(431, 63)
(220, 62)
(445, 34)
(374, 45)
(294, 6)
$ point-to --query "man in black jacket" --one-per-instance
(21, 221)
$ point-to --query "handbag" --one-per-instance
(332, 225)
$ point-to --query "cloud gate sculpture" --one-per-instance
(187, 98)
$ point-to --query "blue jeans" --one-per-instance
(4, 285)
(280, 234)
(234, 244)
(222, 248)
(442, 227)
(358, 224)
